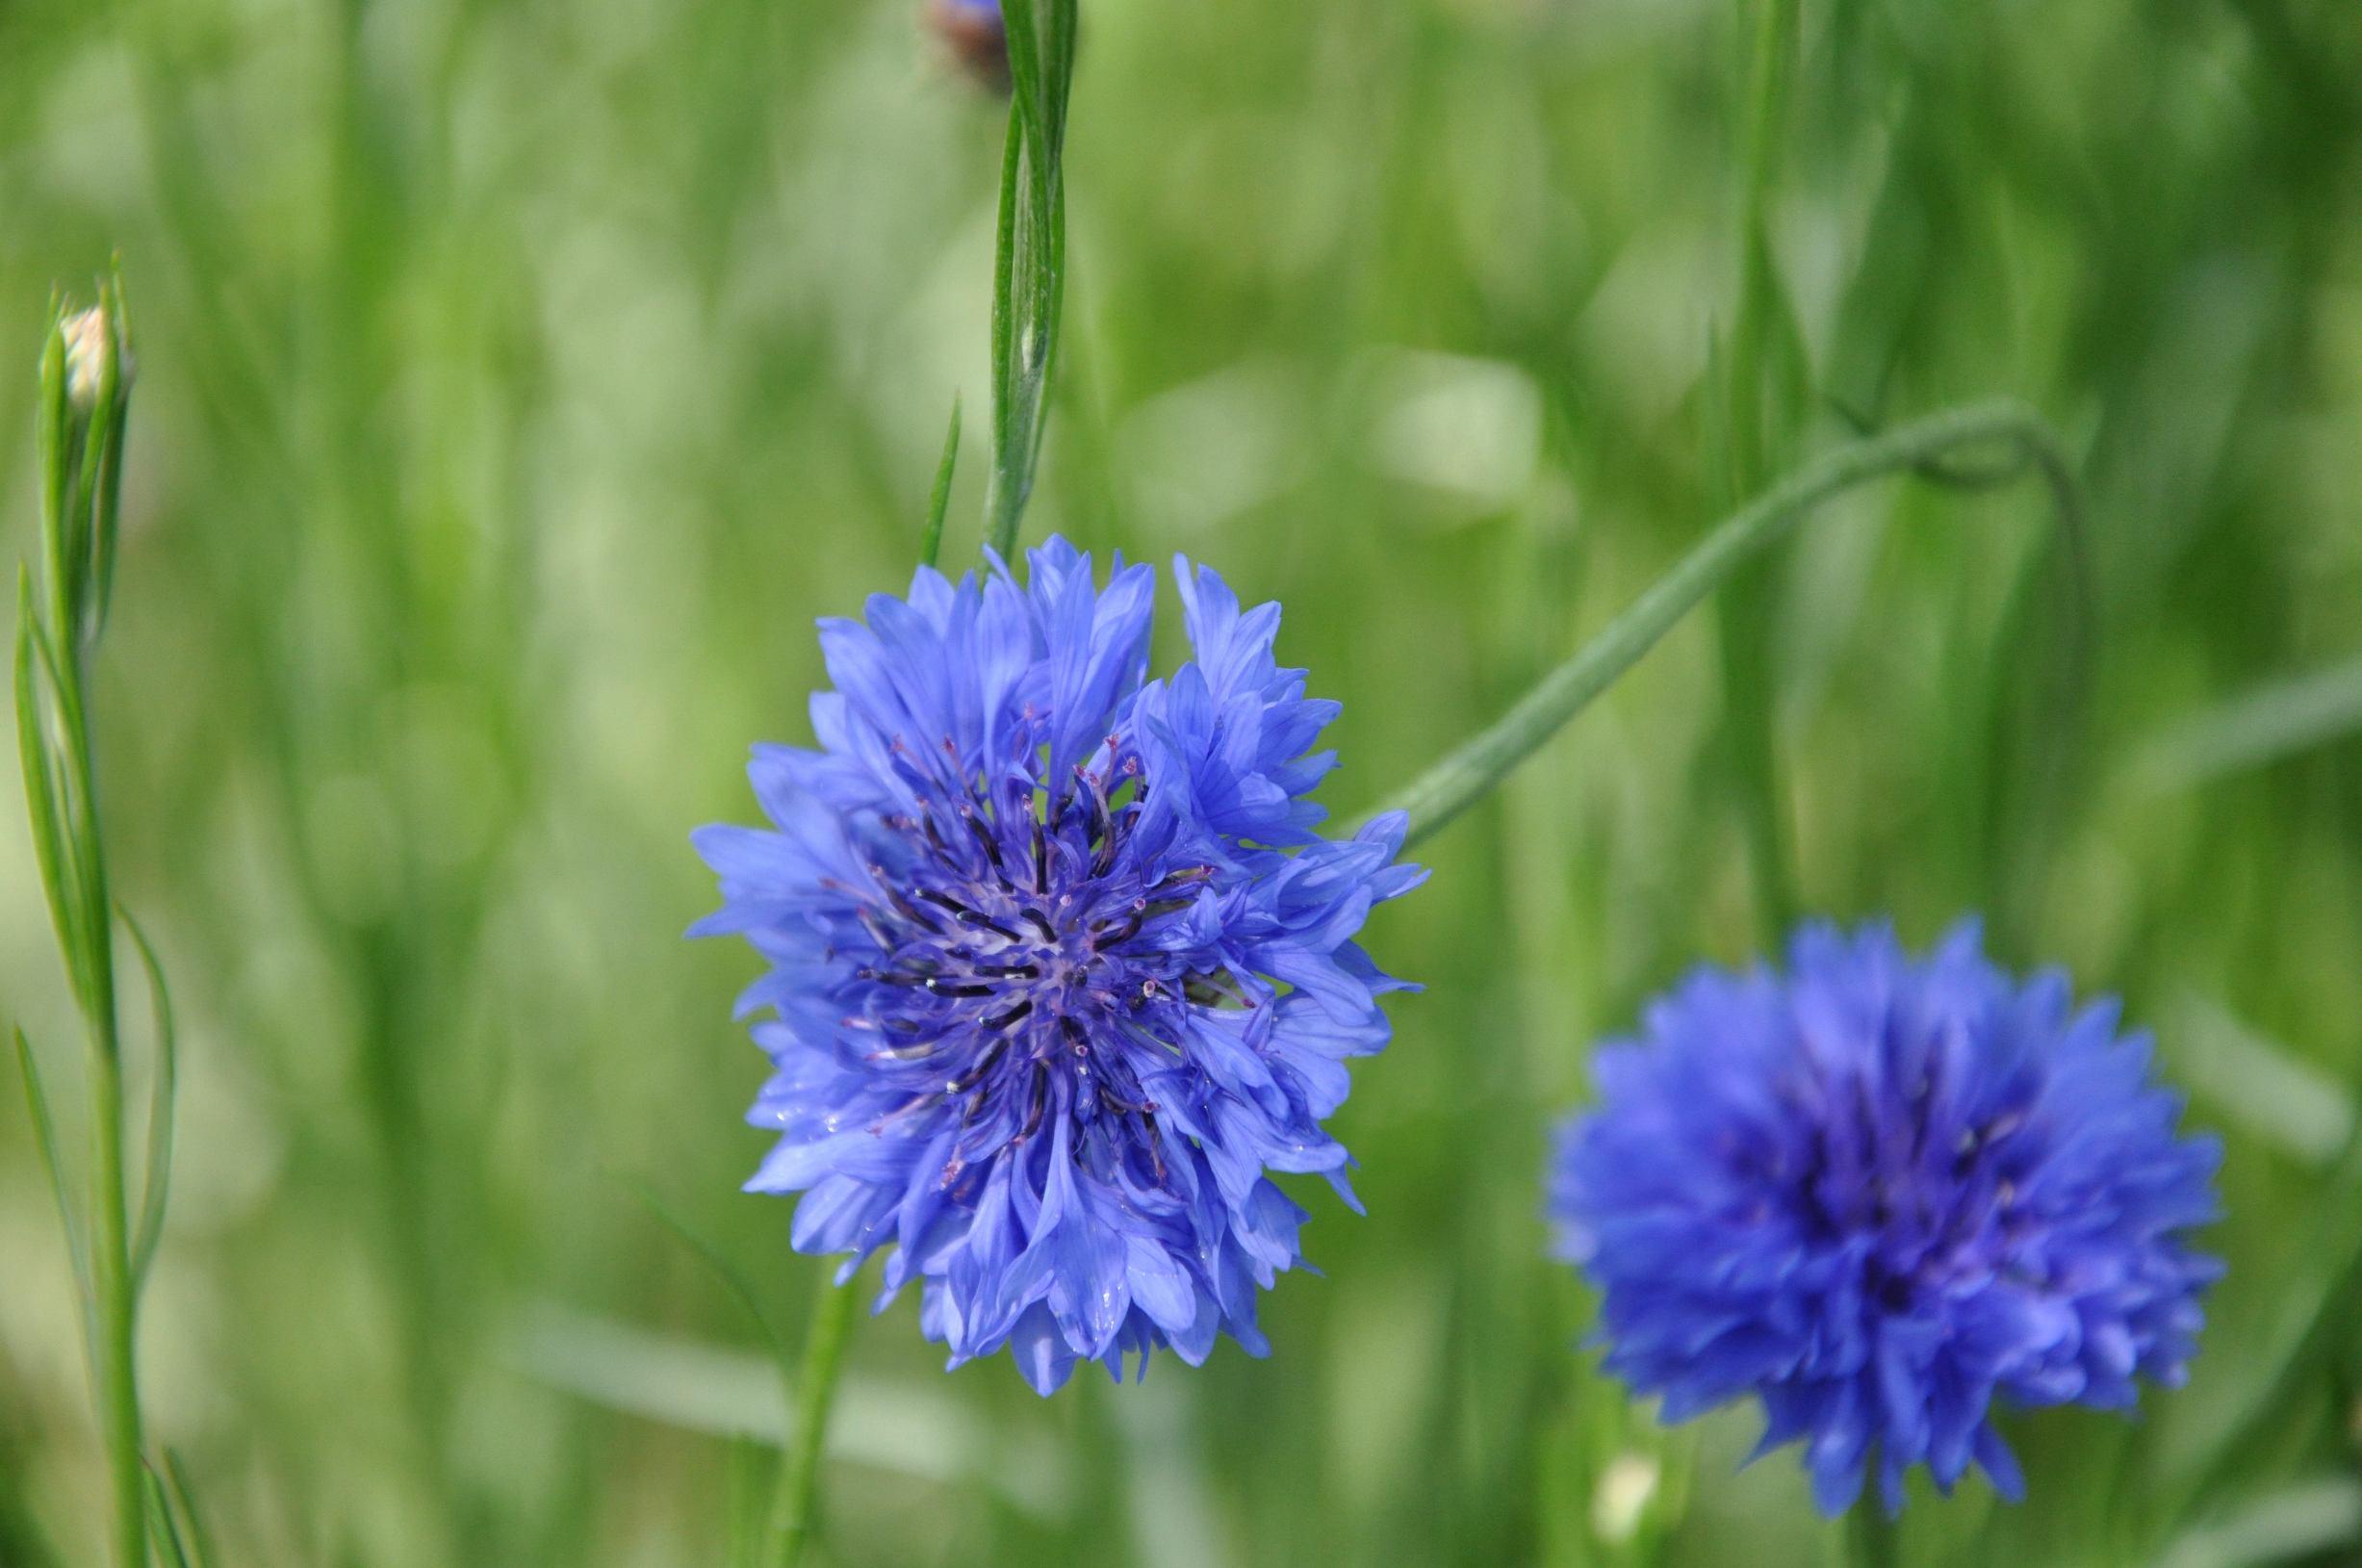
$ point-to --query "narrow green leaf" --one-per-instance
(1004, 267)
(2253, 729)
(2297, 1522)
(931, 542)
(51, 834)
(1029, 262)
(46, 1140)
(163, 1528)
(715, 1259)
(158, 1178)
(1464, 776)
(200, 1541)
(901, 1427)
(88, 943)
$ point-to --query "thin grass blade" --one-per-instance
(163, 1528)
(158, 1178)
(931, 542)
(198, 1539)
(2284, 719)
(715, 1259)
(46, 1140)
(1029, 262)
(2297, 1522)
(43, 791)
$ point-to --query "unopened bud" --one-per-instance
(87, 333)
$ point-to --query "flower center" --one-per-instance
(1017, 971)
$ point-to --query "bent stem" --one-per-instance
(1924, 446)
(824, 1356)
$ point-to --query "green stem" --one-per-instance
(1871, 1538)
(1462, 779)
(824, 1355)
(1030, 258)
(110, 1280)
(112, 1283)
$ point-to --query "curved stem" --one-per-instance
(1462, 779)
(824, 1355)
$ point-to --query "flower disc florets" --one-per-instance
(1880, 1194)
(1061, 967)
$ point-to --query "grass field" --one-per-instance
(517, 383)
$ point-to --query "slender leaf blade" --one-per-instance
(158, 1178)
(931, 541)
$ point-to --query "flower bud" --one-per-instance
(87, 333)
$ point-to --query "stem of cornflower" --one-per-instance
(1928, 447)
(824, 1355)
(1871, 1538)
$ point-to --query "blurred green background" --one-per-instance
(516, 382)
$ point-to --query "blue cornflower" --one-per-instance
(1880, 1194)
(1062, 970)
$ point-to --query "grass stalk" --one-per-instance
(81, 423)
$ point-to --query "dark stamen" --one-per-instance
(972, 919)
(1003, 1019)
(975, 1075)
(1041, 1097)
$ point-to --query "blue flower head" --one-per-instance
(1060, 968)
(1881, 1193)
